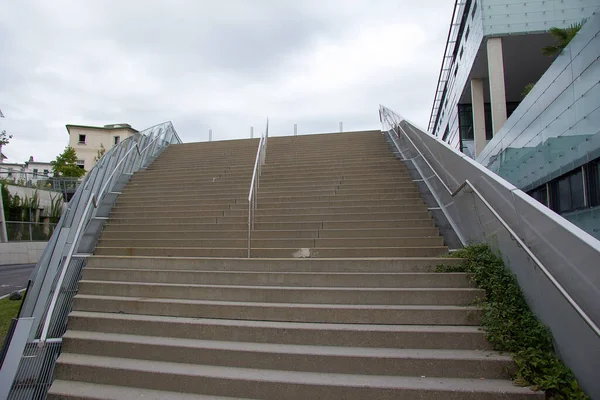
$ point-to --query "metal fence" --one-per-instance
(556, 264)
(29, 231)
(64, 185)
(34, 339)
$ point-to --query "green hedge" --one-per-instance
(511, 326)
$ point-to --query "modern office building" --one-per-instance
(493, 52)
(545, 143)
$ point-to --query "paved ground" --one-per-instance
(14, 277)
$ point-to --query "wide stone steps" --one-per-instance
(339, 299)
(473, 364)
(262, 278)
(145, 225)
(447, 337)
(286, 312)
(274, 234)
(356, 265)
(276, 384)
(322, 252)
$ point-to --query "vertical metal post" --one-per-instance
(210, 135)
(3, 234)
(295, 129)
(341, 127)
(251, 132)
(249, 225)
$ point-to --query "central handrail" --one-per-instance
(261, 154)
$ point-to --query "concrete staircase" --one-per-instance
(339, 300)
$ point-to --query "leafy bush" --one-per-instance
(511, 326)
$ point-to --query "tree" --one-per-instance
(100, 153)
(65, 164)
(563, 37)
(4, 139)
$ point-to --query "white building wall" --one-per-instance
(96, 138)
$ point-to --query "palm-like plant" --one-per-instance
(563, 37)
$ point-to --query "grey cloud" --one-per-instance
(223, 65)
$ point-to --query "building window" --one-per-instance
(81, 164)
(462, 50)
(568, 193)
(35, 172)
(446, 133)
(474, 9)
(117, 139)
(540, 194)
(465, 121)
(467, 33)
(593, 173)
(10, 172)
(46, 172)
(81, 139)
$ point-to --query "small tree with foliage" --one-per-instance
(4, 139)
(65, 164)
(563, 37)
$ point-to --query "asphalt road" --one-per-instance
(14, 277)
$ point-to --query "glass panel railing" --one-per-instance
(27, 366)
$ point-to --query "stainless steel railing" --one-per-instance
(555, 262)
(35, 343)
(261, 155)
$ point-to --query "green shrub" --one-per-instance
(511, 326)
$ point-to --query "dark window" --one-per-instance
(540, 194)
(593, 173)
(462, 50)
(82, 139)
(568, 193)
(35, 172)
(117, 139)
(465, 121)
(467, 33)
(46, 172)
(474, 9)
(445, 137)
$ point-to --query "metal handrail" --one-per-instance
(533, 257)
(261, 154)
(93, 201)
(513, 234)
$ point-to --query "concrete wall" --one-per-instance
(21, 252)
(45, 196)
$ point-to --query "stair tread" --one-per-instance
(283, 287)
(443, 354)
(464, 329)
(296, 377)
(326, 306)
(95, 391)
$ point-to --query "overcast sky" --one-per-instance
(219, 64)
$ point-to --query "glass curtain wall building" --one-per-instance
(542, 142)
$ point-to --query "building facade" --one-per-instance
(29, 173)
(546, 142)
(90, 142)
(492, 53)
